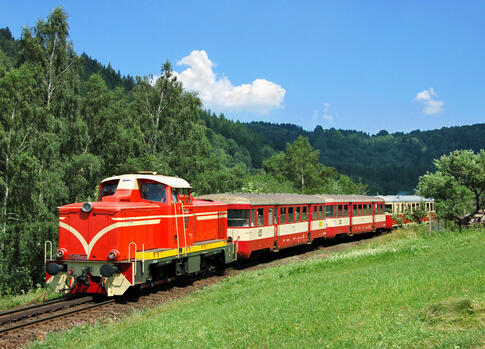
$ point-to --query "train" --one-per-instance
(147, 229)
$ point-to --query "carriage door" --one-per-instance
(374, 210)
(272, 220)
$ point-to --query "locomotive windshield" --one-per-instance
(238, 218)
(153, 192)
(108, 189)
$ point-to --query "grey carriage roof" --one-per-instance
(405, 198)
(264, 199)
(349, 198)
(286, 199)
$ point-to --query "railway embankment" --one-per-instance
(403, 289)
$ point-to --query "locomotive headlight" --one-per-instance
(87, 207)
(113, 254)
(61, 253)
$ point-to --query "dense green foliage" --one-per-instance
(403, 290)
(66, 122)
(458, 185)
(388, 163)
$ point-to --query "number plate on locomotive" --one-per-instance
(78, 257)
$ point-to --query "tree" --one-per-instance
(458, 185)
(46, 44)
(300, 165)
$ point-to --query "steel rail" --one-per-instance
(45, 319)
(41, 309)
(33, 306)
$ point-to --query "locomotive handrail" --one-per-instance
(143, 258)
(183, 224)
(47, 242)
(129, 254)
(177, 229)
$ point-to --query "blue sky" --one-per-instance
(363, 65)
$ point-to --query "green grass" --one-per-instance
(35, 295)
(403, 289)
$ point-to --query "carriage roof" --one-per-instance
(405, 198)
(264, 199)
(349, 198)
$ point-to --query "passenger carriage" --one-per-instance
(353, 214)
(270, 222)
(399, 205)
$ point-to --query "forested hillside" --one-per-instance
(67, 121)
(388, 163)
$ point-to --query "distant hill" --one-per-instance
(388, 163)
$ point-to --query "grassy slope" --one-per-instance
(399, 290)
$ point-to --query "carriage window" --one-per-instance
(282, 215)
(270, 216)
(320, 212)
(297, 214)
(346, 210)
(252, 217)
(329, 211)
(360, 210)
(340, 210)
(174, 195)
(355, 212)
(153, 192)
(238, 218)
(108, 189)
(290, 214)
(260, 218)
(314, 212)
(303, 214)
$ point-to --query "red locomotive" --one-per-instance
(144, 228)
(147, 228)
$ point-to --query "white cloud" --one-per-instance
(219, 93)
(325, 113)
(431, 101)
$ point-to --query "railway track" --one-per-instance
(18, 318)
